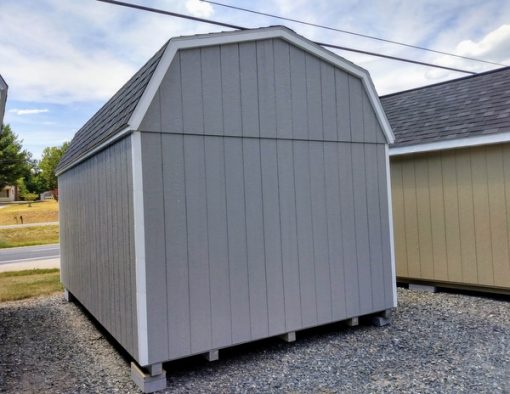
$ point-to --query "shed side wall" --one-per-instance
(452, 216)
(265, 199)
(96, 240)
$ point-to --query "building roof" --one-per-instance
(124, 112)
(3, 98)
(450, 114)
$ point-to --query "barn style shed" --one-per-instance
(236, 188)
(450, 169)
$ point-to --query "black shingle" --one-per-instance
(460, 108)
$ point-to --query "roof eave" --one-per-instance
(465, 142)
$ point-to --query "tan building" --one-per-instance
(450, 170)
(8, 193)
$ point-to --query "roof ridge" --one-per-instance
(446, 82)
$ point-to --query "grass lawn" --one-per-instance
(17, 285)
(26, 236)
(43, 211)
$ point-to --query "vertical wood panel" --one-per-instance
(198, 259)
(192, 105)
(348, 229)
(211, 81)
(266, 88)
(298, 89)
(283, 89)
(421, 173)
(361, 227)
(231, 90)
(497, 203)
(239, 287)
(320, 232)
(356, 109)
(334, 221)
(249, 89)
(155, 256)
(218, 243)
(328, 101)
(343, 106)
(255, 238)
(304, 232)
(397, 196)
(411, 221)
(170, 95)
(313, 97)
(466, 216)
(374, 228)
(177, 275)
(272, 239)
(451, 209)
(290, 258)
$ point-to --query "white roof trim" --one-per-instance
(451, 144)
(251, 35)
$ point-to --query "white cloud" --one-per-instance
(199, 8)
(28, 111)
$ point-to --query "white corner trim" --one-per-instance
(139, 238)
(452, 144)
(92, 152)
(390, 218)
(251, 35)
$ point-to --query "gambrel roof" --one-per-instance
(124, 112)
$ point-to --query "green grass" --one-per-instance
(27, 236)
(18, 285)
(39, 212)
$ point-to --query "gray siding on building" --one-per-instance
(267, 88)
(97, 247)
(265, 199)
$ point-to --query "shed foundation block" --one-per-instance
(425, 288)
(289, 336)
(213, 355)
(352, 322)
(147, 382)
(68, 296)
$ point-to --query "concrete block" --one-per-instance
(146, 382)
(289, 336)
(213, 355)
(352, 322)
(380, 321)
(425, 288)
(68, 296)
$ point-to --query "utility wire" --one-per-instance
(175, 14)
(351, 33)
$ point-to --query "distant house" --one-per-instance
(9, 193)
(3, 98)
(450, 170)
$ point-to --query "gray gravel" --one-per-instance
(437, 343)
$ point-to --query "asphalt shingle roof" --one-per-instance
(464, 107)
(113, 116)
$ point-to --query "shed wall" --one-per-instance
(265, 199)
(452, 215)
(96, 238)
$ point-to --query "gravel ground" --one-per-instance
(436, 343)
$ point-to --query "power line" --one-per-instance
(352, 33)
(212, 22)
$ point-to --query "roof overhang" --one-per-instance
(3, 98)
(281, 32)
(451, 144)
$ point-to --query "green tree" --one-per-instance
(14, 160)
(24, 193)
(50, 158)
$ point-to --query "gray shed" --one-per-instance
(236, 188)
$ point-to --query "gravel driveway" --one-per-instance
(437, 343)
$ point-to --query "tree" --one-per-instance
(24, 193)
(50, 158)
(14, 160)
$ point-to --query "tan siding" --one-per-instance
(452, 216)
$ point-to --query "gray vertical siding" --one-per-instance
(264, 196)
(97, 249)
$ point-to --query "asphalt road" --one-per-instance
(29, 253)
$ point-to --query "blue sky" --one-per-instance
(63, 59)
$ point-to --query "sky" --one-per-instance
(63, 59)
